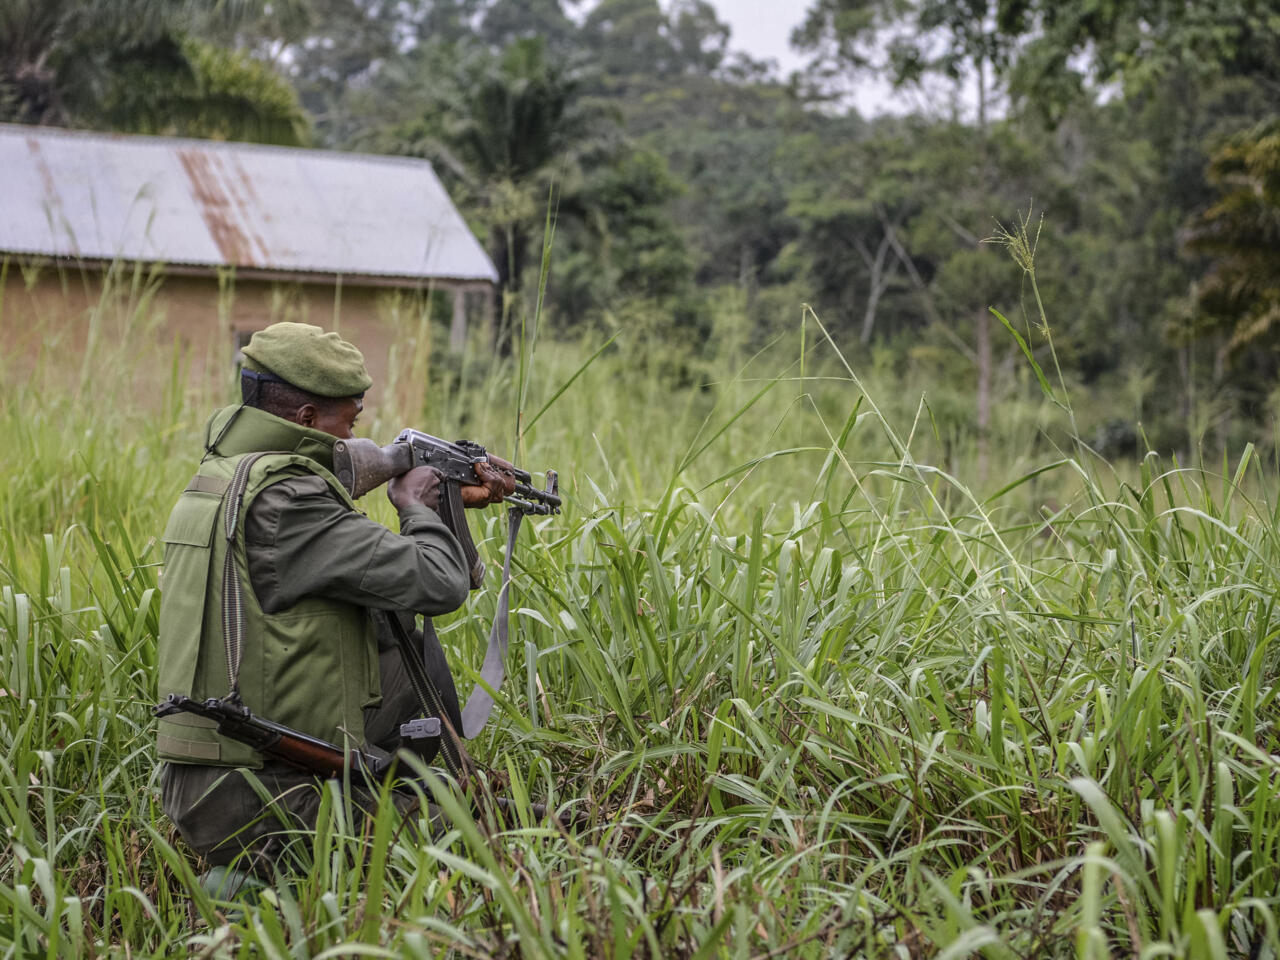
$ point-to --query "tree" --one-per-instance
(622, 243)
(1239, 295)
(639, 46)
(629, 39)
(1068, 45)
(135, 65)
(909, 41)
(1045, 50)
(502, 128)
(506, 21)
(223, 94)
(56, 55)
(699, 38)
(853, 199)
(333, 53)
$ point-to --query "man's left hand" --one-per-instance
(497, 483)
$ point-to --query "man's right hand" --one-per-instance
(421, 485)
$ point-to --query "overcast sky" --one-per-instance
(763, 28)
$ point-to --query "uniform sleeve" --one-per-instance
(302, 541)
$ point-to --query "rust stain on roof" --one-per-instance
(224, 209)
(256, 212)
(247, 181)
(46, 175)
(53, 208)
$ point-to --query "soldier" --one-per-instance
(308, 568)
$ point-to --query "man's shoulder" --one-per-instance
(293, 486)
(291, 474)
(306, 500)
(300, 485)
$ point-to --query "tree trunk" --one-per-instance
(982, 95)
(458, 328)
(490, 310)
(881, 279)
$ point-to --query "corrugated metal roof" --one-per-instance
(200, 202)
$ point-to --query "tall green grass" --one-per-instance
(817, 695)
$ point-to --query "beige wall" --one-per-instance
(67, 320)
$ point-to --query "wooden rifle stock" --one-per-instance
(301, 753)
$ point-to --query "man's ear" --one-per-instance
(306, 415)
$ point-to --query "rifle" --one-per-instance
(236, 722)
(311, 754)
(361, 465)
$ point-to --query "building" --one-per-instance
(226, 238)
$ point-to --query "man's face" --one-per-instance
(338, 419)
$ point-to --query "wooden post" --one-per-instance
(490, 320)
(458, 329)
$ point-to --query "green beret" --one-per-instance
(305, 356)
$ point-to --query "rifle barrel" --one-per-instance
(533, 493)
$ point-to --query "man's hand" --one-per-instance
(499, 482)
(421, 485)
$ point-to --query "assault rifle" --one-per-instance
(236, 722)
(361, 465)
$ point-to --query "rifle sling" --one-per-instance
(434, 701)
(232, 600)
(444, 702)
(480, 704)
(453, 515)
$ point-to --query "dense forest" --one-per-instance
(698, 196)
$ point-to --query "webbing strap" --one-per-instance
(494, 670)
(232, 600)
(200, 484)
(430, 698)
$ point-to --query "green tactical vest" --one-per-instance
(313, 667)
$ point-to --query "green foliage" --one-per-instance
(226, 95)
(681, 175)
(851, 634)
(1240, 234)
(638, 41)
(1049, 51)
(56, 55)
(133, 65)
(516, 117)
(625, 247)
(505, 23)
(504, 128)
(907, 40)
(1143, 43)
(825, 694)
